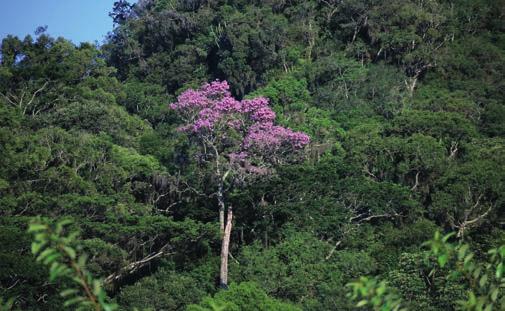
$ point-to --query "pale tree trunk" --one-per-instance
(411, 84)
(225, 249)
(225, 231)
(312, 41)
(220, 190)
(220, 202)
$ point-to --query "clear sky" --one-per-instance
(76, 20)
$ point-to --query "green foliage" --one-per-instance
(296, 269)
(54, 249)
(419, 288)
(147, 100)
(286, 94)
(448, 126)
(133, 163)
(247, 296)
(404, 103)
(485, 279)
(374, 294)
(164, 290)
(106, 257)
(493, 119)
(289, 96)
(337, 81)
(6, 305)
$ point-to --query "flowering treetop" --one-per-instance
(239, 139)
(242, 131)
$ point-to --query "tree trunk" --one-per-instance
(220, 201)
(225, 248)
(411, 84)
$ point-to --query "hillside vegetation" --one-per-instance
(404, 104)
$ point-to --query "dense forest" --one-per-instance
(258, 155)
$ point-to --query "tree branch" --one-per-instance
(136, 265)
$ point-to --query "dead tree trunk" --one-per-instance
(225, 250)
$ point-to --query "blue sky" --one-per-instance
(76, 20)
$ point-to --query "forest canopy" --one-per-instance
(257, 155)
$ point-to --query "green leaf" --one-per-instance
(468, 258)
(381, 290)
(61, 225)
(70, 251)
(499, 270)
(58, 271)
(51, 258)
(37, 227)
(73, 235)
(109, 307)
(82, 260)
(37, 246)
(502, 250)
(462, 251)
(448, 236)
(73, 301)
(476, 273)
(472, 300)
(45, 253)
(41, 237)
(97, 288)
(494, 294)
(442, 260)
(68, 292)
(483, 280)
(53, 271)
(79, 281)
(65, 222)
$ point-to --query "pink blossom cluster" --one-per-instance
(266, 136)
(212, 109)
(190, 99)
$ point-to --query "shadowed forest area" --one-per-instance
(258, 155)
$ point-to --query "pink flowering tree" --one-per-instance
(238, 141)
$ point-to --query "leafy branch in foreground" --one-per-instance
(485, 280)
(6, 305)
(53, 248)
(374, 294)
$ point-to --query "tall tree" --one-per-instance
(237, 142)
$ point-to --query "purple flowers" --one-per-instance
(211, 110)
(271, 138)
(263, 115)
(249, 105)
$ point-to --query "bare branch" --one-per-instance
(20, 101)
(333, 250)
(417, 182)
(136, 265)
(8, 99)
(469, 223)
